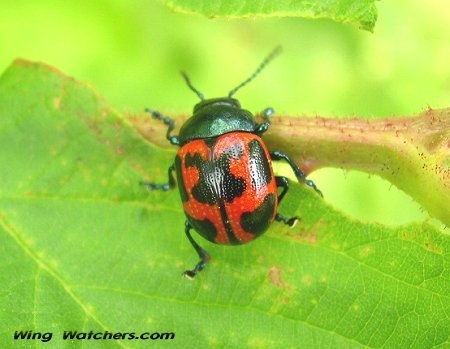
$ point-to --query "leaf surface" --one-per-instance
(84, 247)
(360, 12)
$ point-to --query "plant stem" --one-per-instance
(413, 153)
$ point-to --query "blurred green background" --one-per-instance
(131, 52)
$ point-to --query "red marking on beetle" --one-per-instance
(250, 199)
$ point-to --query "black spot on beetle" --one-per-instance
(216, 182)
(192, 161)
(204, 227)
(226, 223)
(183, 193)
(259, 165)
(210, 142)
(257, 221)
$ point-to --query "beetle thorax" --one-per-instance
(215, 117)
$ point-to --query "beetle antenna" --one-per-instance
(276, 51)
(188, 82)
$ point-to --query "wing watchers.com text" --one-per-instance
(81, 336)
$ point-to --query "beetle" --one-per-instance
(224, 171)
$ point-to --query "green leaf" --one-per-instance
(360, 12)
(84, 247)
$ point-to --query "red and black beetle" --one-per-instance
(224, 172)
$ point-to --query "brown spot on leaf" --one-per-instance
(57, 103)
(307, 236)
(307, 280)
(367, 250)
(275, 276)
(119, 151)
(410, 235)
(433, 248)
(311, 237)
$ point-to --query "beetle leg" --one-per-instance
(289, 221)
(265, 114)
(283, 182)
(204, 257)
(164, 187)
(167, 121)
(277, 155)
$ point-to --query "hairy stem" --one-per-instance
(413, 153)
